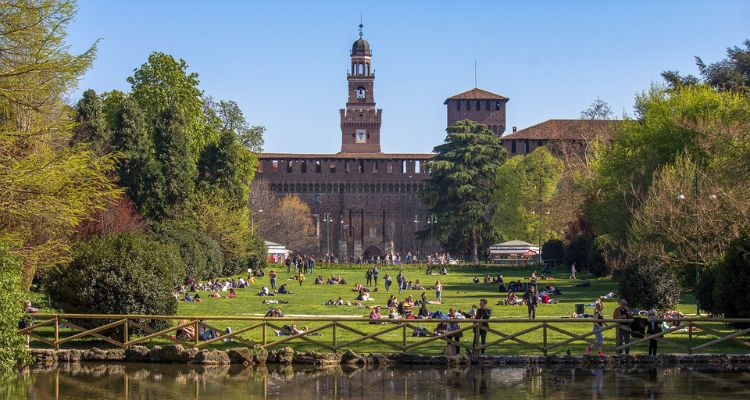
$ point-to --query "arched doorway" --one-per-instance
(372, 252)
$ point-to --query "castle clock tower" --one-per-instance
(360, 120)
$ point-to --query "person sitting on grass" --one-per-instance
(408, 307)
(392, 314)
(188, 298)
(392, 301)
(364, 295)
(319, 280)
(375, 314)
(283, 289)
(475, 280)
(206, 334)
(417, 285)
(187, 332)
(265, 292)
(231, 294)
(424, 313)
(511, 300)
(197, 297)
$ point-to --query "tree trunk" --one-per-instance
(474, 249)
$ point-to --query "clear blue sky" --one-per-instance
(285, 62)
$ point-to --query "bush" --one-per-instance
(578, 251)
(235, 266)
(119, 274)
(648, 282)
(200, 254)
(12, 350)
(730, 289)
(602, 252)
(704, 294)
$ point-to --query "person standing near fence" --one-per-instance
(598, 325)
(480, 329)
(623, 330)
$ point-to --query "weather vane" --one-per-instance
(360, 25)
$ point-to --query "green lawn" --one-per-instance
(458, 291)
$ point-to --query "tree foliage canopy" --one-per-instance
(48, 187)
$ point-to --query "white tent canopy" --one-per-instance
(278, 250)
(513, 248)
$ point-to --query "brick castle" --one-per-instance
(364, 201)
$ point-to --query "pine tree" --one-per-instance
(459, 191)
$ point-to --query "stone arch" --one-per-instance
(372, 252)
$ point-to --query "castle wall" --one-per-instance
(372, 200)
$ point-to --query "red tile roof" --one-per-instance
(567, 129)
(476, 94)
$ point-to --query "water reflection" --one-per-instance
(149, 381)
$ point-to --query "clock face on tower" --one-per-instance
(361, 93)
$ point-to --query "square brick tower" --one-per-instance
(478, 105)
(360, 120)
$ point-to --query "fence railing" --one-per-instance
(545, 336)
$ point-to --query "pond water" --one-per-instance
(150, 381)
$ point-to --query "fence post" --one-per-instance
(195, 334)
(125, 333)
(263, 339)
(404, 335)
(57, 333)
(544, 336)
(335, 342)
(690, 337)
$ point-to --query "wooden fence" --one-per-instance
(686, 335)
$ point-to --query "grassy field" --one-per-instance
(458, 291)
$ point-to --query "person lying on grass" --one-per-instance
(289, 330)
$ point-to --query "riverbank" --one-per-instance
(177, 354)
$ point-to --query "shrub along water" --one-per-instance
(11, 310)
(118, 274)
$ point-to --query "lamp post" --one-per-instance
(327, 219)
(414, 242)
(431, 221)
(696, 197)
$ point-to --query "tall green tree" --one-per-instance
(729, 74)
(172, 144)
(523, 194)
(48, 187)
(461, 184)
(139, 171)
(163, 86)
(91, 124)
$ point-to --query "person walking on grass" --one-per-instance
(375, 273)
(388, 280)
(438, 292)
(531, 301)
(573, 271)
(623, 330)
(598, 326)
(300, 278)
